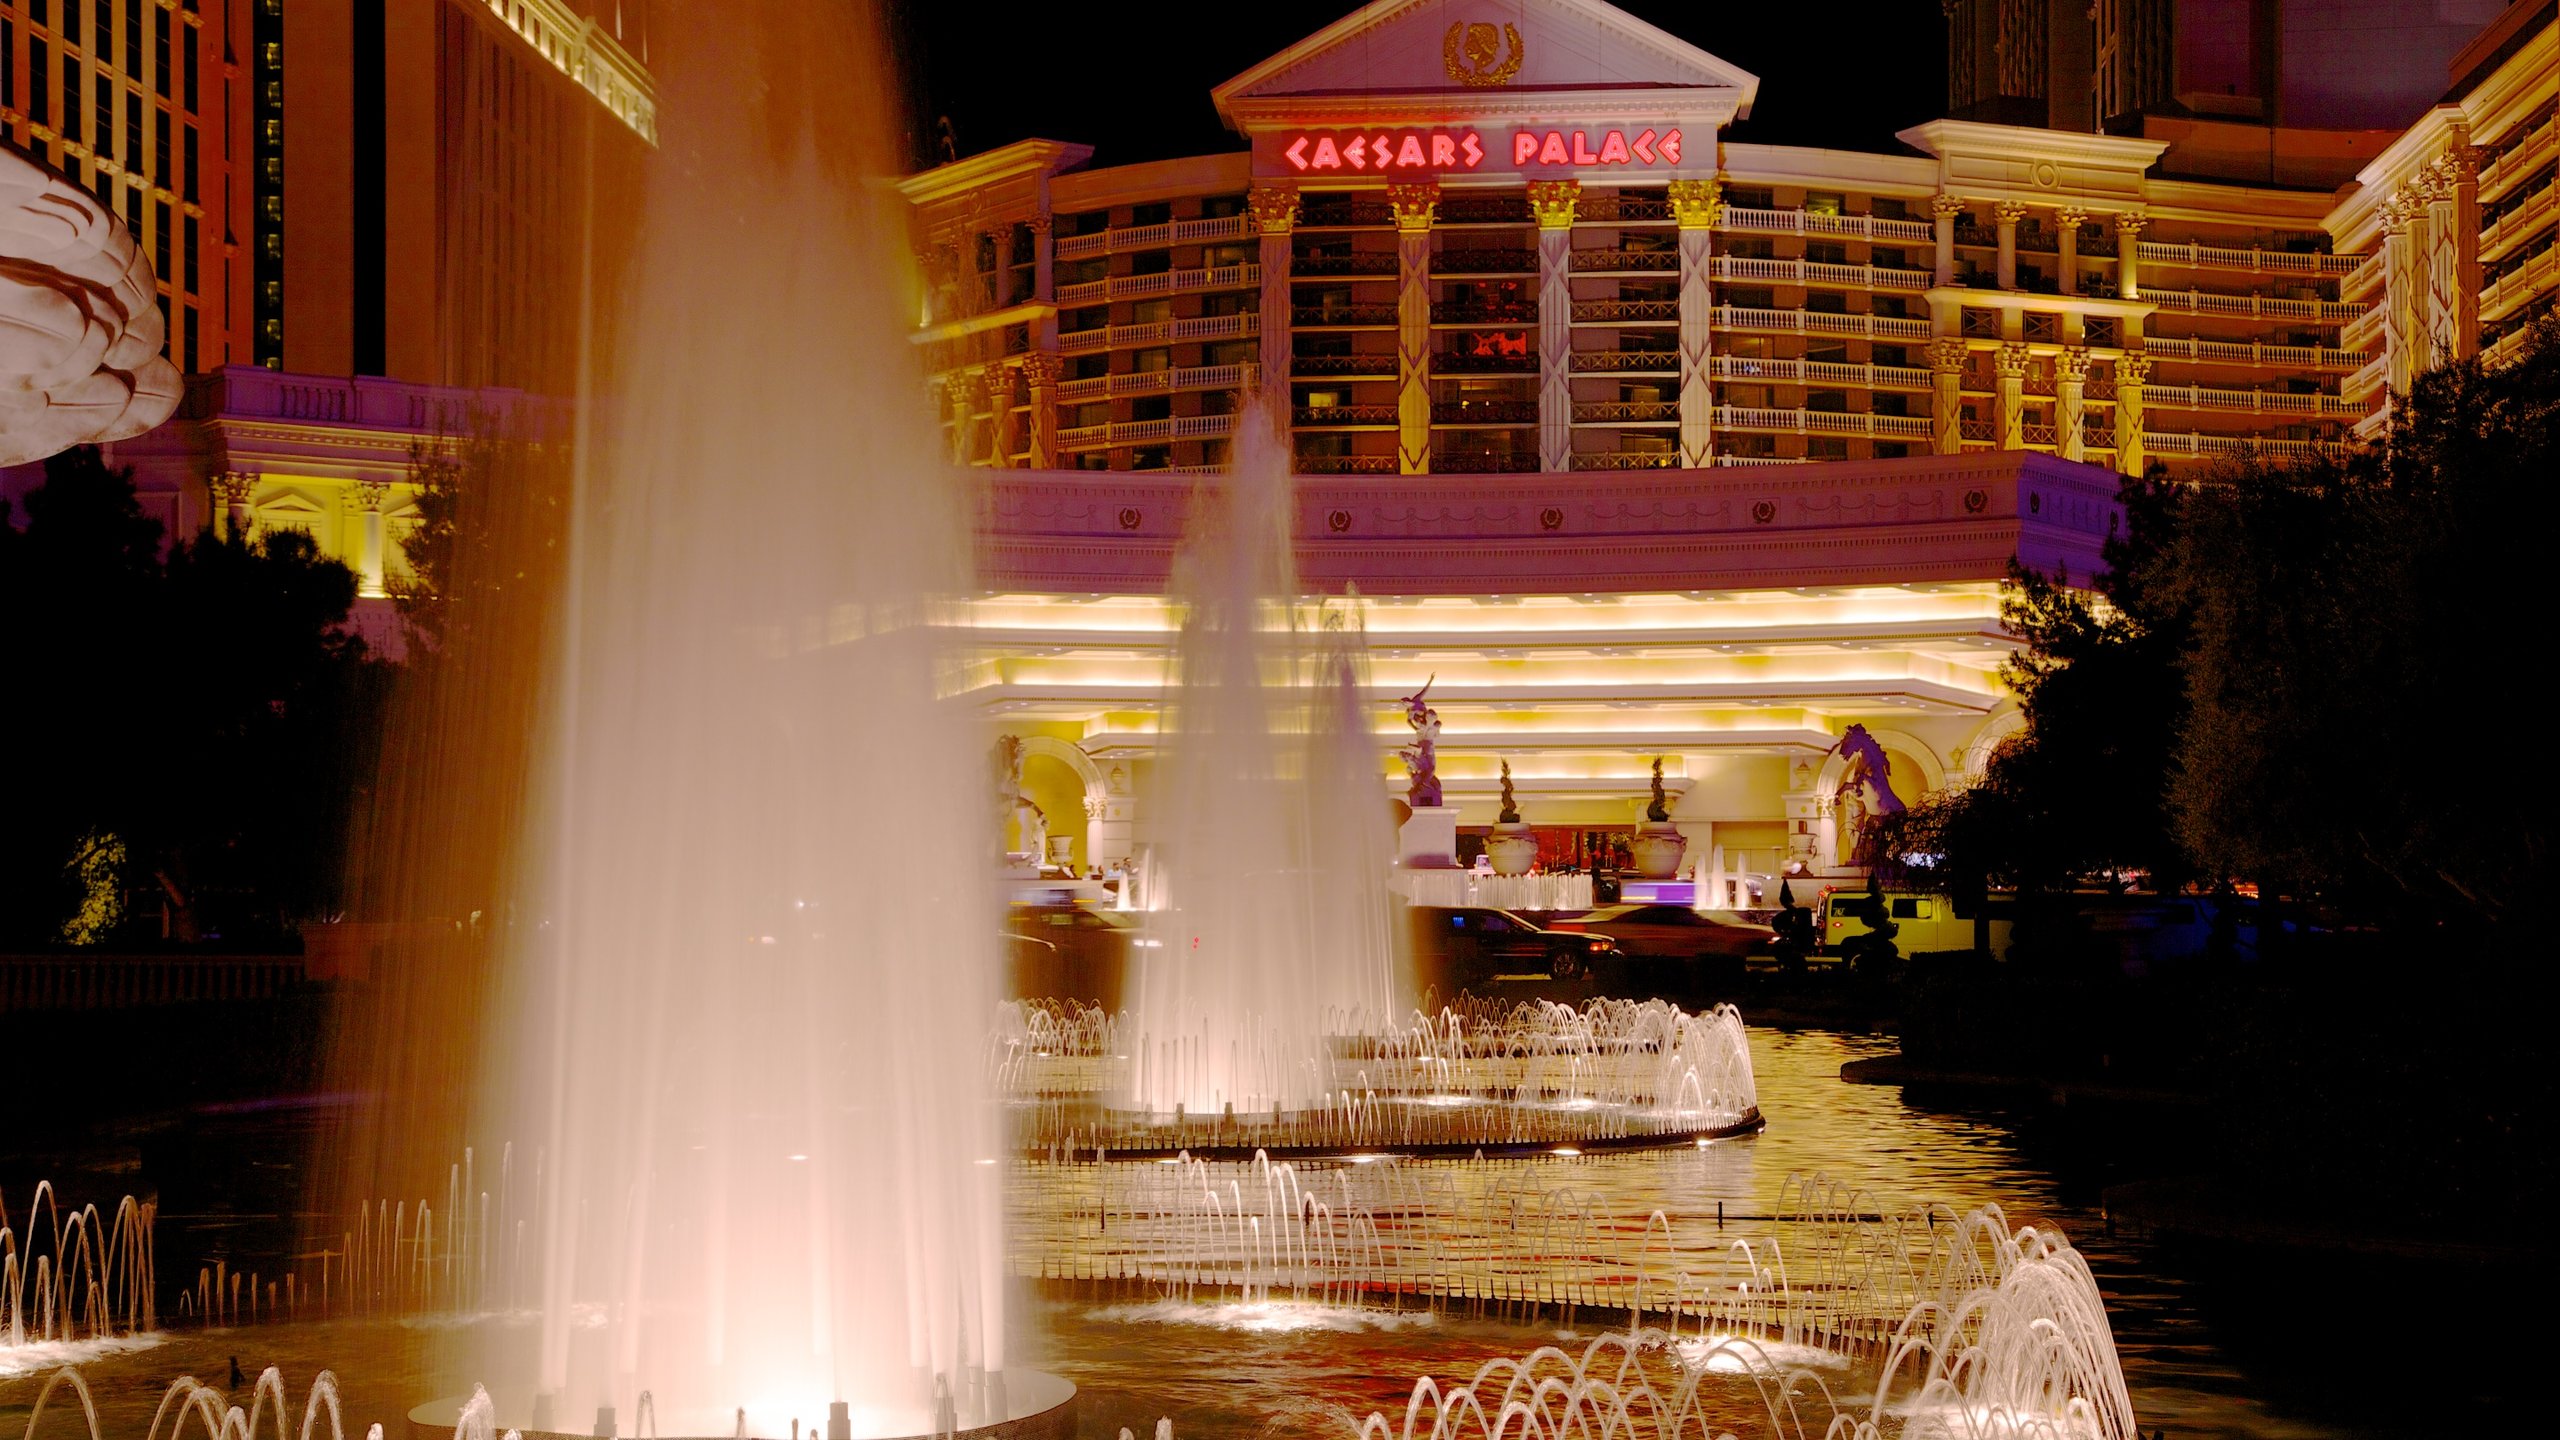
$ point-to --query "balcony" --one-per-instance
(2270, 262)
(1162, 282)
(1596, 261)
(1818, 372)
(1822, 422)
(1345, 465)
(1448, 363)
(1161, 332)
(2279, 357)
(2366, 384)
(2518, 285)
(1815, 322)
(1343, 212)
(1348, 367)
(1463, 209)
(2201, 446)
(1797, 222)
(2251, 307)
(1511, 463)
(1485, 262)
(1620, 209)
(1159, 382)
(1810, 272)
(1627, 412)
(2514, 227)
(1366, 262)
(1626, 312)
(1343, 417)
(2261, 402)
(1626, 459)
(1153, 237)
(2517, 159)
(1479, 413)
(1343, 317)
(2365, 279)
(1740, 462)
(1626, 362)
(1501, 316)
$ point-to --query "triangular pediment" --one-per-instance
(1481, 50)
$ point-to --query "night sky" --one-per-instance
(1132, 77)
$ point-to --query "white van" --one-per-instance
(1923, 922)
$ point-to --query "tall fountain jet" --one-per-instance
(1274, 925)
(746, 1014)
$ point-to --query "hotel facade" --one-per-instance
(1641, 443)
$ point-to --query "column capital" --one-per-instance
(234, 487)
(2012, 359)
(1274, 208)
(2133, 369)
(1040, 368)
(1946, 354)
(2069, 218)
(1695, 203)
(1415, 206)
(2130, 223)
(1040, 223)
(365, 497)
(2009, 212)
(1553, 202)
(1946, 206)
(2072, 366)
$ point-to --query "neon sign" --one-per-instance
(1442, 150)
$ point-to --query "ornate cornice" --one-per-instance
(1416, 206)
(1553, 202)
(1274, 208)
(1695, 203)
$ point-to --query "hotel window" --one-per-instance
(194, 276)
(103, 117)
(36, 11)
(70, 96)
(188, 43)
(190, 191)
(102, 34)
(132, 36)
(70, 22)
(39, 81)
(159, 240)
(160, 51)
(1148, 361)
(1219, 207)
(8, 61)
(159, 146)
(131, 146)
(190, 366)
(1151, 312)
(1157, 214)
(1817, 203)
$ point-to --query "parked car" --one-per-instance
(1090, 951)
(1673, 947)
(1456, 947)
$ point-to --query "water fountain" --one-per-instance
(74, 1283)
(759, 1154)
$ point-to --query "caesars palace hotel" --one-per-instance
(1635, 443)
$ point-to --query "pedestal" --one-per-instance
(1513, 848)
(1429, 841)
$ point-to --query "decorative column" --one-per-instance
(1044, 257)
(1275, 213)
(2402, 279)
(2452, 194)
(1695, 205)
(2012, 363)
(234, 489)
(2131, 372)
(2070, 381)
(2067, 230)
(960, 393)
(1416, 206)
(2008, 213)
(1945, 208)
(366, 497)
(1040, 371)
(1946, 378)
(2129, 225)
(998, 378)
(1552, 202)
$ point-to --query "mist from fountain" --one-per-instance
(1271, 882)
(747, 1093)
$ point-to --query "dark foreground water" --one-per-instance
(2213, 1344)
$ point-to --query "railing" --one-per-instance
(1453, 364)
(1345, 465)
(1627, 412)
(1975, 430)
(1748, 461)
(1622, 362)
(1327, 366)
(1812, 272)
(1484, 210)
(2516, 159)
(2288, 262)
(1159, 382)
(1485, 262)
(2365, 279)
(2192, 443)
(1603, 262)
(1162, 282)
(1161, 332)
(2265, 402)
(1626, 312)
(118, 982)
(1369, 262)
(1822, 422)
(1139, 432)
(1625, 459)
(2517, 285)
(1339, 214)
(1818, 372)
(1496, 315)
(2032, 433)
(1797, 222)
(253, 392)
(1603, 209)
(1816, 322)
(2287, 357)
(1339, 416)
(2515, 226)
(1152, 237)
(2259, 307)
(1511, 464)
(1304, 316)
(1485, 412)
(2367, 382)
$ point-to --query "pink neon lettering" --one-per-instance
(1613, 148)
(1471, 149)
(1444, 151)
(1356, 153)
(1382, 151)
(1410, 152)
(1670, 147)
(1582, 150)
(1297, 152)
(1553, 152)
(1524, 146)
(1326, 157)
(1644, 147)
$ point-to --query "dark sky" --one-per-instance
(1132, 77)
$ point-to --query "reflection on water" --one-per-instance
(1234, 1370)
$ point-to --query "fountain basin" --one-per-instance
(1038, 1406)
(1523, 1132)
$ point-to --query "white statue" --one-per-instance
(80, 326)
